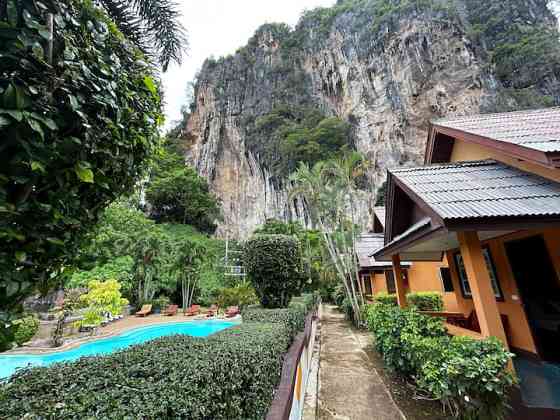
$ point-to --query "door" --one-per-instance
(540, 292)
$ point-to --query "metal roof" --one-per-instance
(366, 245)
(481, 189)
(536, 129)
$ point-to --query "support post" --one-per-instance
(399, 280)
(481, 287)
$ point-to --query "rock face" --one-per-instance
(386, 75)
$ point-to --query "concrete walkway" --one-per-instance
(349, 386)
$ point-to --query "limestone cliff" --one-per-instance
(386, 66)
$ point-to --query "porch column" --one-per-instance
(399, 280)
(481, 286)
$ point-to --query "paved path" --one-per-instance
(349, 386)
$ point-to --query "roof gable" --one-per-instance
(533, 135)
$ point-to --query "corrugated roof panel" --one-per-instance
(536, 129)
(482, 189)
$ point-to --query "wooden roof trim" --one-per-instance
(510, 149)
(419, 202)
(424, 233)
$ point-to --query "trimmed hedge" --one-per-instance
(273, 264)
(293, 316)
(230, 375)
(426, 301)
(385, 298)
(468, 376)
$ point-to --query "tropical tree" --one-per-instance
(177, 194)
(79, 116)
(189, 262)
(153, 25)
(328, 190)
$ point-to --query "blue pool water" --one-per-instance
(9, 363)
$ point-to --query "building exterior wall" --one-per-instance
(519, 331)
(464, 151)
(425, 277)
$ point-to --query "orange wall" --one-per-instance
(379, 283)
(520, 333)
(464, 150)
(424, 276)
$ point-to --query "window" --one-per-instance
(465, 287)
(390, 279)
(445, 276)
(366, 278)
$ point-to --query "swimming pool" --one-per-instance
(9, 363)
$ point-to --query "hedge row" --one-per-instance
(469, 377)
(231, 374)
(426, 301)
(423, 301)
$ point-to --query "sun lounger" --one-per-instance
(144, 311)
(171, 310)
(232, 311)
(213, 311)
(192, 311)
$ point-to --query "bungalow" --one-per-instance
(487, 203)
(377, 276)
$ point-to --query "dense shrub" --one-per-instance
(78, 133)
(241, 295)
(102, 297)
(391, 325)
(468, 376)
(426, 301)
(338, 295)
(385, 298)
(273, 263)
(231, 375)
(25, 328)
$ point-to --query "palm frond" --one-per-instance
(153, 25)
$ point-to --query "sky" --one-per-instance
(218, 28)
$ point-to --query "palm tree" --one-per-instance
(153, 25)
(325, 189)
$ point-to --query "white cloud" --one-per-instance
(219, 27)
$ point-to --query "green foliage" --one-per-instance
(469, 377)
(159, 303)
(386, 298)
(240, 295)
(296, 134)
(230, 375)
(292, 317)
(25, 328)
(273, 264)
(177, 194)
(119, 269)
(126, 234)
(78, 131)
(339, 294)
(102, 297)
(523, 46)
(154, 25)
(391, 325)
(426, 301)
(6, 337)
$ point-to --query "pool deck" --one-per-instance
(116, 328)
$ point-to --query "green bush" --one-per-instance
(241, 295)
(293, 317)
(25, 328)
(339, 294)
(391, 325)
(230, 375)
(468, 376)
(426, 301)
(160, 303)
(273, 263)
(387, 299)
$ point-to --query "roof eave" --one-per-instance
(513, 150)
